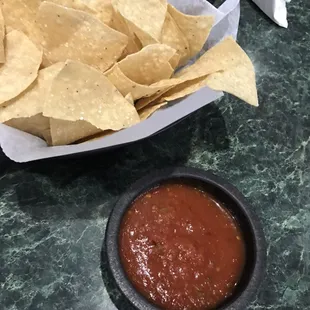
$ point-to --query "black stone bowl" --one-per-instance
(225, 193)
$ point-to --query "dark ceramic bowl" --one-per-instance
(224, 192)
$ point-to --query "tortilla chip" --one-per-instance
(20, 14)
(20, 69)
(97, 136)
(142, 36)
(75, 4)
(130, 99)
(238, 81)
(227, 68)
(30, 102)
(146, 15)
(173, 36)
(80, 92)
(2, 34)
(196, 29)
(222, 56)
(148, 111)
(175, 60)
(227, 56)
(184, 89)
(67, 132)
(103, 8)
(36, 125)
(119, 23)
(70, 34)
(152, 92)
(217, 58)
(150, 65)
(126, 85)
(143, 102)
(8, 29)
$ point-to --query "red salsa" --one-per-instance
(181, 249)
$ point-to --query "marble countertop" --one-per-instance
(53, 214)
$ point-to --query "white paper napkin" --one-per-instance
(275, 9)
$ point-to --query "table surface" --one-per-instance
(53, 214)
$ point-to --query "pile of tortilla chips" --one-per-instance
(73, 69)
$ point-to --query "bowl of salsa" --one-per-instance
(183, 238)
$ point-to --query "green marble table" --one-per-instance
(53, 214)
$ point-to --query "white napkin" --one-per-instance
(275, 9)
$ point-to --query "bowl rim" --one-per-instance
(149, 181)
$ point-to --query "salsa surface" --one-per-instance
(180, 248)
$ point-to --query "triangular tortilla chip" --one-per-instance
(75, 4)
(233, 72)
(143, 37)
(103, 9)
(226, 60)
(71, 34)
(22, 61)
(173, 36)
(67, 132)
(80, 92)
(219, 57)
(149, 65)
(31, 101)
(196, 29)
(238, 81)
(148, 111)
(175, 60)
(36, 125)
(207, 64)
(130, 99)
(183, 89)
(143, 102)
(125, 85)
(8, 29)
(20, 14)
(146, 15)
(97, 136)
(222, 56)
(119, 23)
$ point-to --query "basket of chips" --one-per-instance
(78, 76)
